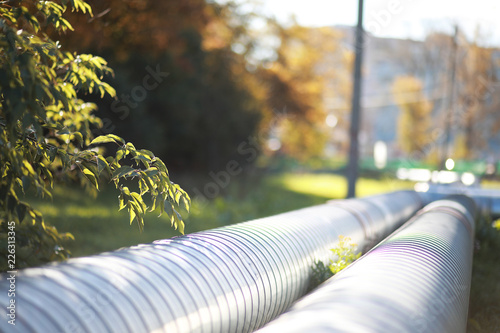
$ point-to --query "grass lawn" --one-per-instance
(98, 226)
(484, 307)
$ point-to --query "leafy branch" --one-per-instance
(151, 174)
(45, 132)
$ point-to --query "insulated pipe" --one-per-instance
(416, 280)
(230, 279)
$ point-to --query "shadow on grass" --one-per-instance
(98, 226)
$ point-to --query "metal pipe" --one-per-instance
(230, 279)
(487, 200)
(416, 280)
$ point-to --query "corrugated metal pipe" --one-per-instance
(230, 279)
(416, 280)
(487, 200)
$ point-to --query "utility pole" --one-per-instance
(451, 98)
(352, 167)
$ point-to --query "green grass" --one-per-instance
(484, 308)
(98, 226)
(96, 223)
(330, 186)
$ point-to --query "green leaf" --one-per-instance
(161, 166)
(123, 171)
(138, 214)
(90, 176)
(63, 155)
(107, 139)
(79, 5)
(168, 208)
(138, 199)
(28, 168)
(153, 205)
(78, 137)
(144, 159)
(64, 131)
(178, 196)
(121, 199)
(26, 182)
(48, 175)
(52, 152)
(120, 153)
(102, 164)
(178, 223)
(150, 172)
(116, 138)
(148, 182)
(147, 153)
(161, 203)
(126, 191)
(143, 187)
(131, 212)
(185, 204)
(21, 209)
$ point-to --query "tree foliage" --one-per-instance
(146, 27)
(415, 117)
(297, 80)
(344, 255)
(218, 78)
(209, 104)
(477, 105)
(46, 131)
(472, 115)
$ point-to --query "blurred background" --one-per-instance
(247, 82)
(248, 102)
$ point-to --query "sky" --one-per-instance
(397, 18)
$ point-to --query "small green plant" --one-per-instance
(320, 273)
(345, 254)
(496, 224)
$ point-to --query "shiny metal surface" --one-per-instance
(487, 200)
(230, 279)
(416, 280)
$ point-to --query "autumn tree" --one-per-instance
(220, 92)
(476, 105)
(471, 112)
(415, 114)
(46, 133)
(428, 60)
(210, 102)
(296, 81)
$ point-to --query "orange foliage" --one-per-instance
(146, 26)
(297, 81)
